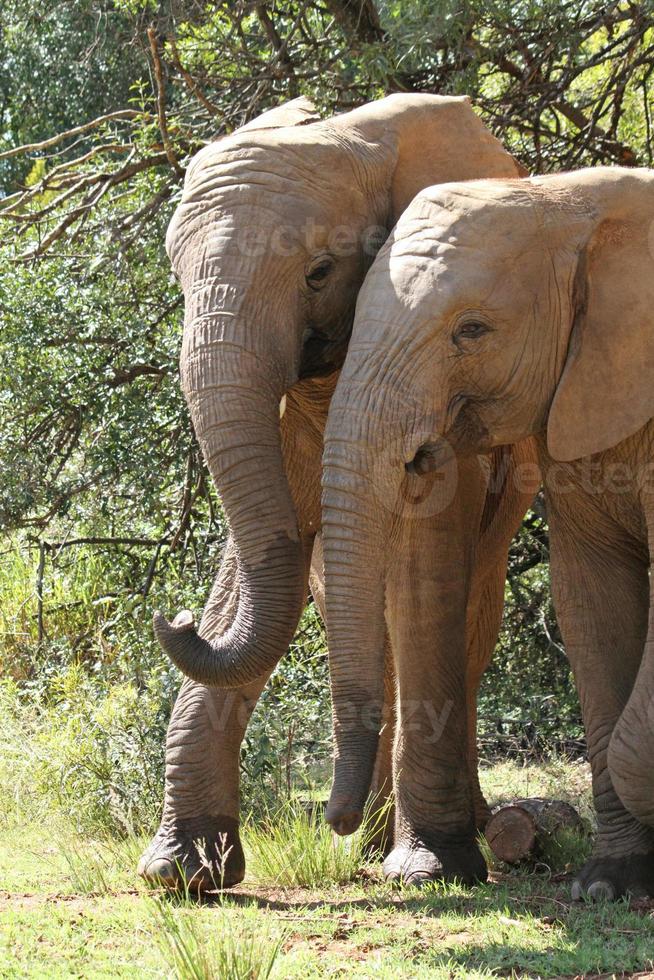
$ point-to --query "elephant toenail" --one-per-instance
(601, 891)
(418, 878)
(576, 892)
(161, 869)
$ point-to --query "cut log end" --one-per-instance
(511, 834)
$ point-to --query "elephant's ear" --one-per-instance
(297, 112)
(419, 140)
(606, 390)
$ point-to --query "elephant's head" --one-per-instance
(495, 310)
(276, 228)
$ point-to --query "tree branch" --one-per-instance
(84, 128)
(125, 376)
(161, 102)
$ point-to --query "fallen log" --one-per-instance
(517, 831)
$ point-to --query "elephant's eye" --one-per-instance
(318, 272)
(470, 330)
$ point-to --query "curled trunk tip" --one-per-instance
(183, 621)
(195, 657)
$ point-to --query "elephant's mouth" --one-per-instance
(322, 354)
(431, 456)
(468, 436)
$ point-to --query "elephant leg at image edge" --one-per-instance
(600, 593)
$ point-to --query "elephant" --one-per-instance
(276, 228)
(499, 311)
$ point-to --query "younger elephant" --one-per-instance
(499, 310)
(271, 241)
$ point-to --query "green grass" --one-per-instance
(73, 907)
(293, 846)
(197, 950)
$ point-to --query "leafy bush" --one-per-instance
(84, 713)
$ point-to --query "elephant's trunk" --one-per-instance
(355, 525)
(631, 748)
(233, 396)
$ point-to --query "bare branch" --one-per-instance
(190, 81)
(84, 128)
(125, 376)
(161, 102)
(279, 46)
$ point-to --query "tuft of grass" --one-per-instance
(232, 952)
(295, 847)
(565, 850)
(89, 872)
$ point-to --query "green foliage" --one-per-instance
(95, 754)
(62, 64)
(288, 741)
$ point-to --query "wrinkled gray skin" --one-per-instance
(271, 242)
(499, 310)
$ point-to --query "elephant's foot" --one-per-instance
(416, 864)
(199, 853)
(610, 877)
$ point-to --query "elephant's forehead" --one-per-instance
(431, 273)
(474, 213)
(436, 246)
(279, 156)
(265, 186)
(418, 264)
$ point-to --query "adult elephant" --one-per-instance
(499, 310)
(276, 228)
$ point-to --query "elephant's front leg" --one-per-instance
(484, 617)
(427, 593)
(198, 841)
(600, 591)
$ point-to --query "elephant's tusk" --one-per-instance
(282, 407)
